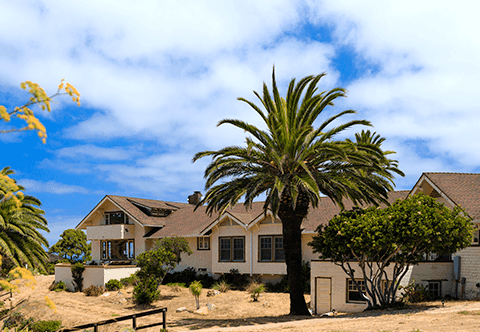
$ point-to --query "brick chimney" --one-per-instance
(195, 198)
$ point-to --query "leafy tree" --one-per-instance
(20, 223)
(163, 257)
(399, 235)
(73, 246)
(154, 265)
(294, 164)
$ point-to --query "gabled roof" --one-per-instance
(463, 189)
(326, 210)
(184, 221)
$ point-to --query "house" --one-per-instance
(456, 277)
(247, 240)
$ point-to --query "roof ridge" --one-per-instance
(460, 173)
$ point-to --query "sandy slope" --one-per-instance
(236, 312)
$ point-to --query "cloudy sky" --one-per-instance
(157, 76)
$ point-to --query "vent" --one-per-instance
(434, 194)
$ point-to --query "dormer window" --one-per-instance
(115, 218)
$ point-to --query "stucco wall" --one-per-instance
(225, 267)
(200, 259)
(96, 250)
(421, 273)
(93, 275)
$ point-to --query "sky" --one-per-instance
(155, 78)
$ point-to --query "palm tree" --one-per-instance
(295, 164)
(20, 222)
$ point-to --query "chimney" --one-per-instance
(195, 198)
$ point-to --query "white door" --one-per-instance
(323, 295)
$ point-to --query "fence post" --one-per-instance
(95, 328)
(164, 314)
(134, 322)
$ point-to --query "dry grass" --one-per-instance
(235, 311)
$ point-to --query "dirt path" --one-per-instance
(235, 311)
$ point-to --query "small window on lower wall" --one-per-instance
(203, 243)
(353, 295)
(434, 288)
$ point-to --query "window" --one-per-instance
(118, 250)
(115, 218)
(476, 237)
(232, 249)
(203, 243)
(353, 295)
(435, 289)
(271, 249)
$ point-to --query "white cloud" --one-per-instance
(52, 187)
(425, 72)
(92, 151)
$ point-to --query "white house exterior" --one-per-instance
(458, 277)
(250, 241)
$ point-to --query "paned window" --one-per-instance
(435, 289)
(232, 249)
(203, 243)
(353, 295)
(118, 250)
(271, 249)
(115, 218)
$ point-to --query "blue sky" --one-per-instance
(157, 76)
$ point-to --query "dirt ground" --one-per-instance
(235, 311)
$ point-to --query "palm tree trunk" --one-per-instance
(292, 244)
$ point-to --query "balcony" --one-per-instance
(111, 232)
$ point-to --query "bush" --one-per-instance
(235, 279)
(188, 276)
(282, 285)
(176, 286)
(77, 275)
(16, 320)
(221, 286)
(255, 289)
(130, 281)
(58, 286)
(113, 285)
(146, 292)
(94, 290)
(196, 290)
(46, 326)
(413, 293)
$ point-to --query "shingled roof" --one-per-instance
(463, 189)
(183, 220)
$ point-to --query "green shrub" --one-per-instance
(235, 279)
(94, 290)
(113, 285)
(16, 320)
(46, 326)
(146, 292)
(221, 286)
(282, 285)
(130, 281)
(77, 276)
(58, 286)
(187, 276)
(413, 293)
(176, 286)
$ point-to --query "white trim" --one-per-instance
(96, 208)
